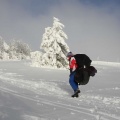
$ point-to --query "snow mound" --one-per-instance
(104, 63)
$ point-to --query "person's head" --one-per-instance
(69, 55)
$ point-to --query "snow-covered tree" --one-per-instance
(36, 58)
(1, 47)
(15, 50)
(4, 49)
(19, 50)
(1, 44)
(53, 43)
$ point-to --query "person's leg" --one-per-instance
(72, 82)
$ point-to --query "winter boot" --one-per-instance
(76, 93)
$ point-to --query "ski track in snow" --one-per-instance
(97, 107)
(90, 112)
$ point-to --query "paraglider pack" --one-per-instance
(84, 70)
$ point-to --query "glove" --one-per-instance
(70, 70)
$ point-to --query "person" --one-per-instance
(73, 66)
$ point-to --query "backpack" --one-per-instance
(84, 70)
(82, 60)
(91, 70)
(82, 76)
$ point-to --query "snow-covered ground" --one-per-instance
(29, 93)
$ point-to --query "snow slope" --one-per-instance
(28, 93)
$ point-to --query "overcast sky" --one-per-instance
(92, 26)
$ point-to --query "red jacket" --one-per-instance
(72, 64)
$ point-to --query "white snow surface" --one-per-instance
(30, 93)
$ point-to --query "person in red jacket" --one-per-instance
(73, 66)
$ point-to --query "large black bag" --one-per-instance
(82, 76)
(84, 70)
(82, 60)
(91, 70)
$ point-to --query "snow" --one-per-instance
(106, 63)
(34, 93)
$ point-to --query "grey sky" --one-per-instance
(92, 26)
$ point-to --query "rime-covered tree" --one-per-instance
(1, 44)
(15, 50)
(4, 49)
(19, 49)
(53, 43)
(1, 47)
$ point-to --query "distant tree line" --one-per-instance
(14, 50)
